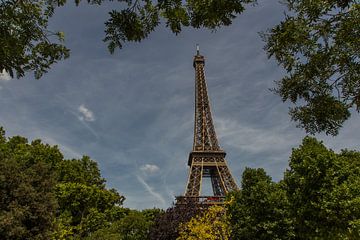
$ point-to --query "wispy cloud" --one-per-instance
(149, 168)
(151, 191)
(86, 114)
(4, 76)
(253, 140)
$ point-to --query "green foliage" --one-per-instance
(27, 180)
(152, 214)
(79, 199)
(140, 18)
(131, 24)
(318, 44)
(84, 202)
(84, 171)
(44, 196)
(134, 226)
(26, 43)
(260, 209)
(85, 205)
(323, 191)
(319, 198)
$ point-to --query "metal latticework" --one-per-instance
(204, 131)
(207, 159)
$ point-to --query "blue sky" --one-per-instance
(132, 111)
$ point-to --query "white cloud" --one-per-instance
(4, 76)
(87, 114)
(149, 168)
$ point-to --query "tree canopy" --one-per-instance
(323, 192)
(140, 18)
(27, 179)
(317, 199)
(166, 225)
(318, 44)
(134, 226)
(260, 209)
(45, 196)
(27, 44)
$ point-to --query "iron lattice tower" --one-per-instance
(206, 159)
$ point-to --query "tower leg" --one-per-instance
(217, 186)
(227, 179)
(194, 183)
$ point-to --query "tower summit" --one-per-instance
(206, 159)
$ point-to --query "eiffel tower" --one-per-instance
(207, 159)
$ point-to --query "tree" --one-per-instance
(27, 179)
(166, 225)
(44, 196)
(140, 18)
(211, 224)
(323, 191)
(26, 43)
(318, 198)
(318, 44)
(259, 210)
(84, 171)
(85, 205)
(134, 226)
